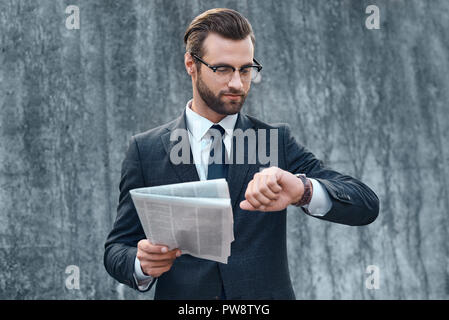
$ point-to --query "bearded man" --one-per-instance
(220, 60)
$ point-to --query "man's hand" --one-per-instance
(272, 189)
(155, 259)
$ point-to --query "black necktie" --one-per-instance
(217, 170)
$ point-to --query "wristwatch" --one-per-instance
(308, 189)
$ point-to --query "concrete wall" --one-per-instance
(369, 103)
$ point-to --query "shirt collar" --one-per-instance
(198, 125)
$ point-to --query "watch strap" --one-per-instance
(308, 189)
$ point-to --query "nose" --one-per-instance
(236, 81)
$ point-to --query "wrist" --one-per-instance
(140, 274)
(306, 196)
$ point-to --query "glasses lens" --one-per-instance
(224, 71)
(254, 72)
(246, 74)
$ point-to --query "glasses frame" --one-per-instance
(214, 68)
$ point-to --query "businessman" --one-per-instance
(220, 60)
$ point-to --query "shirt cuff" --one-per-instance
(321, 203)
(143, 281)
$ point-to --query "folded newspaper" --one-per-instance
(195, 217)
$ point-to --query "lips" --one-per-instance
(232, 96)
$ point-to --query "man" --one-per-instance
(220, 60)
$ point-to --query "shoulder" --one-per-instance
(259, 124)
(154, 132)
(149, 143)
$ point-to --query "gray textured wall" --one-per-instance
(369, 103)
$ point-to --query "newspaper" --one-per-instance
(195, 217)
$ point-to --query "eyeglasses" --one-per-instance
(225, 72)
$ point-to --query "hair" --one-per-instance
(228, 23)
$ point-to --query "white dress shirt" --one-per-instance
(200, 143)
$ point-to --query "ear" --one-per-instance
(189, 63)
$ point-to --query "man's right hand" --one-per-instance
(155, 259)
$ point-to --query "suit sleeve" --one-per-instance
(121, 244)
(353, 202)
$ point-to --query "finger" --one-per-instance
(245, 205)
(249, 195)
(147, 246)
(156, 271)
(265, 189)
(257, 193)
(273, 184)
(157, 263)
(171, 255)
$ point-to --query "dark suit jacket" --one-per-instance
(257, 267)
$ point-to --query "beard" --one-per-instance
(216, 103)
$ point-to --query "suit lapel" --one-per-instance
(185, 172)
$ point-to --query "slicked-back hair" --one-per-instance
(227, 23)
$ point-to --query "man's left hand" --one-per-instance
(272, 189)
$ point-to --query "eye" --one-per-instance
(224, 69)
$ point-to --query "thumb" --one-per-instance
(245, 205)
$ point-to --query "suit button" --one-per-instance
(216, 297)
